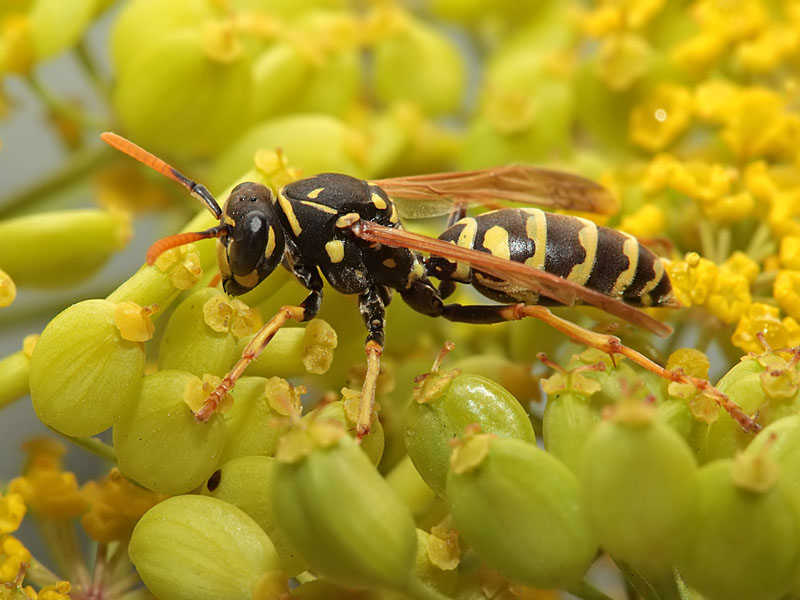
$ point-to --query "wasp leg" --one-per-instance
(371, 306)
(305, 311)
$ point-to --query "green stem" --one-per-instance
(761, 243)
(707, 245)
(94, 446)
(78, 166)
(64, 109)
(586, 591)
(14, 370)
(93, 73)
(40, 575)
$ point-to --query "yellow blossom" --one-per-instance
(782, 212)
(789, 253)
(699, 52)
(759, 182)
(786, 291)
(12, 511)
(702, 180)
(693, 279)
(116, 505)
(59, 591)
(661, 117)
(758, 124)
(623, 60)
(729, 208)
(713, 98)
(659, 173)
(647, 222)
(739, 262)
(765, 52)
(765, 319)
(604, 19)
(735, 19)
(12, 554)
(730, 297)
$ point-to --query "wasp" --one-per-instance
(347, 231)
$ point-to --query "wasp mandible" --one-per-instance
(348, 231)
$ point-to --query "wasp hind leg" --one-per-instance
(372, 308)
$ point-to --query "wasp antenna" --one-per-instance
(197, 190)
(181, 239)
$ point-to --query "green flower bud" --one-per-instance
(175, 75)
(84, 375)
(416, 63)
(312, 143)
(198, 548)
(8, 289)
(243, 482)
(56, 25)
(295, 351)
(160, 444)
(520, 510)
(345, 413)
(639, 481)
(426, 568)
(445, 404)
(745, 542)
(60, 248)
(259, 416)
(279, 73)
(568, 420)
(15, 372)
(202, 333)
(360, 535)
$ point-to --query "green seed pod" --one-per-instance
(295, 351)
(60, 248)
(361, 535)
(521, 511)
(84, 375)
(445, 404)
(8, 289)
(200, 548)
(15, 372)
(442, 580)
(56, 25)
(247, 482)
(568, 420)
(259, 416)
(312, 143)
(200, 334)
(160, 444)
(744, 543)
(345, 413)
(417, 63)
(639, 480)
(279, 73)
(177, 74)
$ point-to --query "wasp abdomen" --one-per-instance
(608, 261)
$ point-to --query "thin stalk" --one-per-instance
(95, 446)
(92, 72)
(66, 110)
(707, 245)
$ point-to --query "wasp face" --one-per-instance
(255, 243)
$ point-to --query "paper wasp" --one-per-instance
(348, 230)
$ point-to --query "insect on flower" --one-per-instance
(349, 231)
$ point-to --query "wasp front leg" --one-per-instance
(372, 308)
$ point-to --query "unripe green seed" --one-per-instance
(521, 511)
(247, 483)
(744, 543)
(339, 513)
(279, 73)
(639, 480)
(56, 25)
(15, 372)
(200, 548)
(295, 351)
(160, 444)
(200, 334)
(60, 248)
(568, 420)
(445, 404)
(443, 580)
(84, 375)
(259, 416)
(345, 412)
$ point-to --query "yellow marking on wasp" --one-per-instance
(335, 250)
(314, 193)
(390, 263)
(587, 237)
(630, 248)
(379, 202)
(228, 220)
(536, 230)
(466, 239)
(317, 206)
(346, 220)
(249, 281)
(270, 242)
(495, 240)
(658, 270)
(393, 218)
(222, 260)
(288, 210)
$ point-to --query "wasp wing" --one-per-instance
(556, 288)
(420, 196)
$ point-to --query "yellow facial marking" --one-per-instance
(389, 262)
(587, 236)
(536, 230)
(288, 210)
(228, 220)
(630, 248)
(270, 242)
(495, 240)
(249, 281)
(222, 260)
(318, 206)
(379, 202)
(335, 250)
(314, 193)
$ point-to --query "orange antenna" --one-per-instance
(181, 239)
(197, 190)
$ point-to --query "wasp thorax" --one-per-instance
(254, 245)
